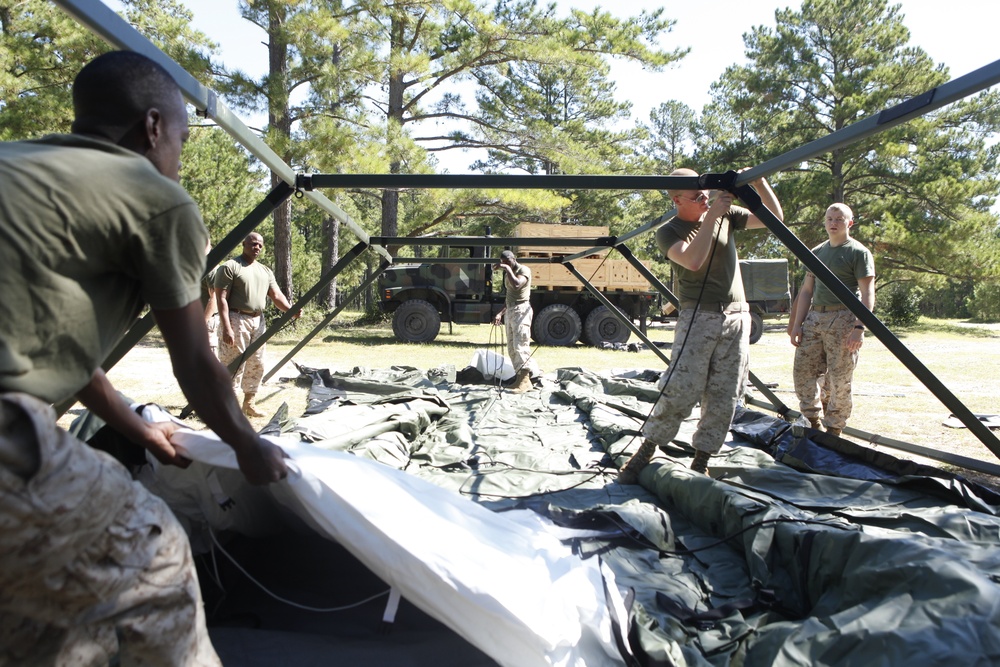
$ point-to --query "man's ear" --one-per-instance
(154, 127)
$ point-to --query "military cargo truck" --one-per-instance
(765, 282)
(422, 296)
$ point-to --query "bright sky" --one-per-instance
(957, 33)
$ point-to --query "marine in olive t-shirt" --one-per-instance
(724, 284)
(76, 266)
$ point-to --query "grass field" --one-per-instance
(889, 400)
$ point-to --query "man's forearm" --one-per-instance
(769, 199)
(223, 302)
(100, 397)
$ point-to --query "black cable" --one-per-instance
(675, 359)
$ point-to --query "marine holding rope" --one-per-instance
(712, 335)
(516, 314)
(93, 225)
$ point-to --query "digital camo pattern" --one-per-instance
(91, 564)
(709, 364)
(517, 320)
(452, 278)
(246, 329)
(824, 368)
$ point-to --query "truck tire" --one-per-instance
(416, 321)
(603, 327)
(756, 327)
(557, 324)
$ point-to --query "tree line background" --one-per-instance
(366, 86)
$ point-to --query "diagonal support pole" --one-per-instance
(329, 318)
(274, 198)
(617, 313)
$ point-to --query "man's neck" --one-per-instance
(837, 241)
(248, 260)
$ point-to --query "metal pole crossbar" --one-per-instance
(116, 31)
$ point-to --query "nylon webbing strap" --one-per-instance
(391, 607)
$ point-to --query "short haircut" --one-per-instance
(676, 192)
(843, 208)
(116, 89)
(507, 254)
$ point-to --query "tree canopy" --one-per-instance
(921, 191)
(368, 87)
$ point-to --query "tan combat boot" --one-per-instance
(816, 424)
(629, 473)
(522, 382)
(248, 406)
(700, 462)
(834, 431)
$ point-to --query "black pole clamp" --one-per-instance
(726, 181)
(303, 183)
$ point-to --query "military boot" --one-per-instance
(248, 407)
(700, 462)
(629, 473)
(834, 431)
(816, 424)
(522, 382)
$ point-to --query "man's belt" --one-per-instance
(252, 313)
(829, 309)
(717, 306)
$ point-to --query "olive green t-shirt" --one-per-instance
(849, 262)
(516, 295)
(89, 232)
(723, 284)
(247, 284)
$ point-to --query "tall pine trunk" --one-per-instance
(280, 125)
(331, 255)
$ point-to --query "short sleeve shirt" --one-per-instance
(207, 285)
(89, 232)
(516, 295)
(720, 276)
(247, 284)
(849, 261)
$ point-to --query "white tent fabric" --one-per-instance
(503, 581)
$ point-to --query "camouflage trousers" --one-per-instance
(213, 333)
(517, 320)
(246, 329)
(709, 362)
(824, 368)
(91, 564)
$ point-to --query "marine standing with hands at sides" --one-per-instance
(242, 286)
(712, 335)
(516, 314)
(93, 225)
(826, 335)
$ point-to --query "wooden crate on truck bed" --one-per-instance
(604, 273)
(539, 230)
